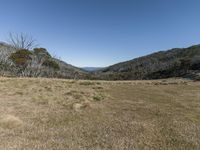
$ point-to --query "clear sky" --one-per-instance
(103, 32)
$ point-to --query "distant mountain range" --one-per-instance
(178, 62)
(92, 69)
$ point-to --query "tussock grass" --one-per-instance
(67, 114)
(98, 97)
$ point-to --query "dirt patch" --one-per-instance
(80, 106)
(10, 121)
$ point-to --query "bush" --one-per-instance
(21, 57)
(41, 51)
(98, 97)
(86, 83)
(50, 63)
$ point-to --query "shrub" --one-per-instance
(21, 57)
(98, 97)
(86, 83)
(39, 51)
(50, 63)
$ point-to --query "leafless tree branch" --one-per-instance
(22, 41)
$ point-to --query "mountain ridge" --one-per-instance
(176, 62)
(162, 64)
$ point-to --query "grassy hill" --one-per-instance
(67, 114)
(183, 62)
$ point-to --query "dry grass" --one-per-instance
(65, 114)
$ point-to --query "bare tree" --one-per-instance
(22, 41)
(5, 63)
(34, 67)
(4, 56)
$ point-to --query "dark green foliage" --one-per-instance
(87, 83)
(41, 51)
(98, 97)
(51, 63)
(21, 57)
(195, 64)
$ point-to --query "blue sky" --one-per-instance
(103, 32)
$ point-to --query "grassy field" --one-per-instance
(52, 114)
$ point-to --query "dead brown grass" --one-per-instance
(65, 114)
(10, 122)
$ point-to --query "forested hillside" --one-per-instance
(179, 62)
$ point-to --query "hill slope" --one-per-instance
(172, 63)
(35, 63)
